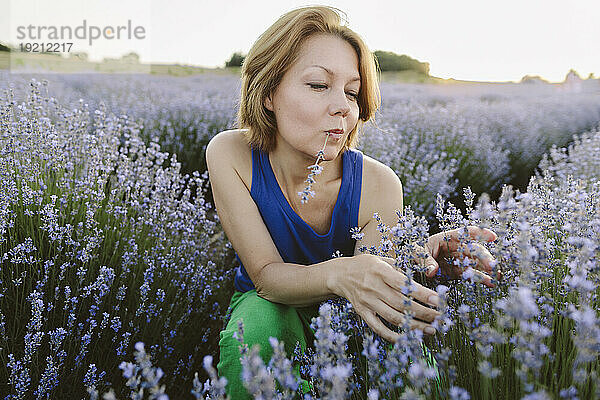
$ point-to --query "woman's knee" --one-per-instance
(262, 319)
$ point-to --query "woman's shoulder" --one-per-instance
(381, 188)
(234, 138)
(234, 148)
(376, 172)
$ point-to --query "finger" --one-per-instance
(392, 309)
(499, 274)
(397, 281)
(495, 268)
(379, 327)
(478, 277)
(482, 234)
(431, 266)
(425, 259)
(425, 295)
(399, 318)
(422, 312)
(392, 276)
(484, 278)
(426, 328)
(451, 239)
(478, 253)
(482, 255)
(389, 313)
(389, 260)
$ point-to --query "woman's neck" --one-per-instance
(291, 169)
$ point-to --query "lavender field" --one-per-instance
(115, 273)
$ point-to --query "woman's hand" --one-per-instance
(445, 246)
(375, 287)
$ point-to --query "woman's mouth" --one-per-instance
(335, 134)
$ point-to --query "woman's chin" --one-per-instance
(330, 155)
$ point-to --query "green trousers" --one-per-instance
(263, 319)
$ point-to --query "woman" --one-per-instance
(308, 84)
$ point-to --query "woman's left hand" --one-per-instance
(445, 247)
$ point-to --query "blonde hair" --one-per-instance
(276, 50)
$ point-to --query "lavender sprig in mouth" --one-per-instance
(315, 170)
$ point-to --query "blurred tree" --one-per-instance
(533, 79)
(572, 75)
(236, 60)
(80, 55)
(573, 82)
(389, 61)
(131, 57)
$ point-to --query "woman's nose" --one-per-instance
(339, 104)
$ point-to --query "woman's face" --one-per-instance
(318, 93)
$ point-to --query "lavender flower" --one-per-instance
(315, 170)
(214, 387)
(330, 366)
(281, 368)
(255, 375)
(142, 376)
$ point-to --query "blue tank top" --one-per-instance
(295, 240)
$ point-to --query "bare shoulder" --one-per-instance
(376, 171)
(381, 191)
(231, 148)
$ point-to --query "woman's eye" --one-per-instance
(321, 86)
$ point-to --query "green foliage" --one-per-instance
(389, 61)
(236, 60)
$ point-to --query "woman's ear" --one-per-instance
(268, 103)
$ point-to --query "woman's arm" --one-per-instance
(301, 285)
(360, 273)
(369, 282)
(280, 282)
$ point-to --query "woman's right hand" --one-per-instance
(375, 287)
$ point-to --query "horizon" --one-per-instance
(462, 41)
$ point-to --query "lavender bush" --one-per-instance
(182, 114)
(101, 246)
(440, 139)
(106, 242)
(437, 138)
(535, 335)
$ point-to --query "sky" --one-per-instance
(480, 40)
